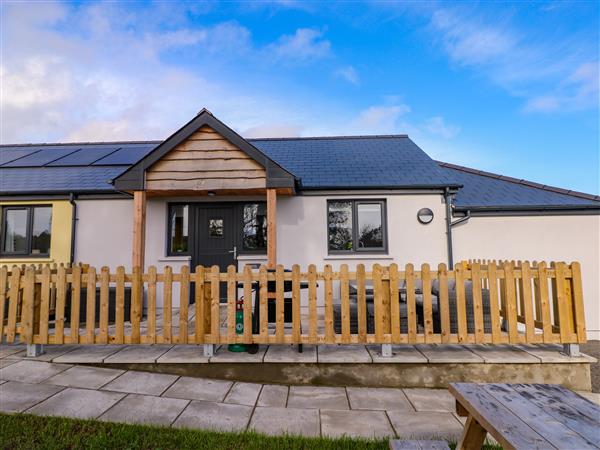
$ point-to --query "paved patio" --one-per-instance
(61, 389)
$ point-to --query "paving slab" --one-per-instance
(50, 353)
(448, 353)
(17, 397)
(439, 400)
(88, 354)
(138, 354)
(317, 397)
(199, 389)
(278, 421)
(77, 403)
(503, 354)
(10, 349)
(85, 377)
(145, 409)
(355, 424)
(184, 354)
(401, 354)
(222, 355)
(214, 416)
(378, 399)
(4, 362)
(290, 354)
(343, 354)
(243, 394)
(31, 371)
(551, 353)
(273, 395)
(426, 425)
(148, 383)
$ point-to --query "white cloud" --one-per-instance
(438, 126)
(349, 74)
(379, 119)
(273, 130)
(538, 69)
(304, 44)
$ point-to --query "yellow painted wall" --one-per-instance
(60, 242)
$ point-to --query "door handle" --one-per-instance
(234, 251)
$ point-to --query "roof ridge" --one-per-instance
(522, 182)
(359, 136)
(34, 144)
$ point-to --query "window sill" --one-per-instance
(359, 256)
(175, 258)
(249, 257)
(25, 259)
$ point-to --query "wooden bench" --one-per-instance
(526, 416)
(398, 444)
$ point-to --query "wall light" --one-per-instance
(425, 216)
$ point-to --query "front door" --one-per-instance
(215, 238)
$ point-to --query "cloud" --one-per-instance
(379, 119)
(102, 72)
(273, 130)
(538, 69)
(438, 126)
(349, 74)
(304, 44)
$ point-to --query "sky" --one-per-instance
(507, 87)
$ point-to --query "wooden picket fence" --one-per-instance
(477, 302)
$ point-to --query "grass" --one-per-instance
(28, 432)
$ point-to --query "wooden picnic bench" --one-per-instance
(526, 416)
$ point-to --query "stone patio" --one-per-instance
(46, 388)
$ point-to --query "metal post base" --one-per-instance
(386, 350)
(209, 350)
(35, 350)
(571, 349)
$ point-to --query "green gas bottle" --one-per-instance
(239, 327)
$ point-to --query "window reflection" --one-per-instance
(340, 225)
(179, 233)
(254, 228)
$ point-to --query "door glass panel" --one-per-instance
(215, 228)
(254, 228)
(15, 236)
(179, 228)
(370, 231)
(340, 225)
(42, 223)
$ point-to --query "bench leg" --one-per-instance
(34, 350)
(209, 350)
(473, 436)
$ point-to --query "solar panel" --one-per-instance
(126, 155)
(85, 156)
(11, 153)
(44, 156)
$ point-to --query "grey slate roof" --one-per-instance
(360, 162)
(356, 162)
(484, 190)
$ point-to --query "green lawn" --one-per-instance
(27, 432)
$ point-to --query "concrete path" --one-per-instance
(52, 389)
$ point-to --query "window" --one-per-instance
(178, 229)
(356, 226)
(215, 228)
(26, 230)
(254, 226)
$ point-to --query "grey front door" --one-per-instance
(215, 238)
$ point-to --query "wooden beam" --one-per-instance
(139, 228)
(271, 228)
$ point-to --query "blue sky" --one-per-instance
(508, 87)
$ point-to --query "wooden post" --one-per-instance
(139, 228)
(271, 228)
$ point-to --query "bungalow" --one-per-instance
(207, 196)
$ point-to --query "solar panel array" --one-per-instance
(74, 155)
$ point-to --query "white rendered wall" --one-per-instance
(547, 238)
